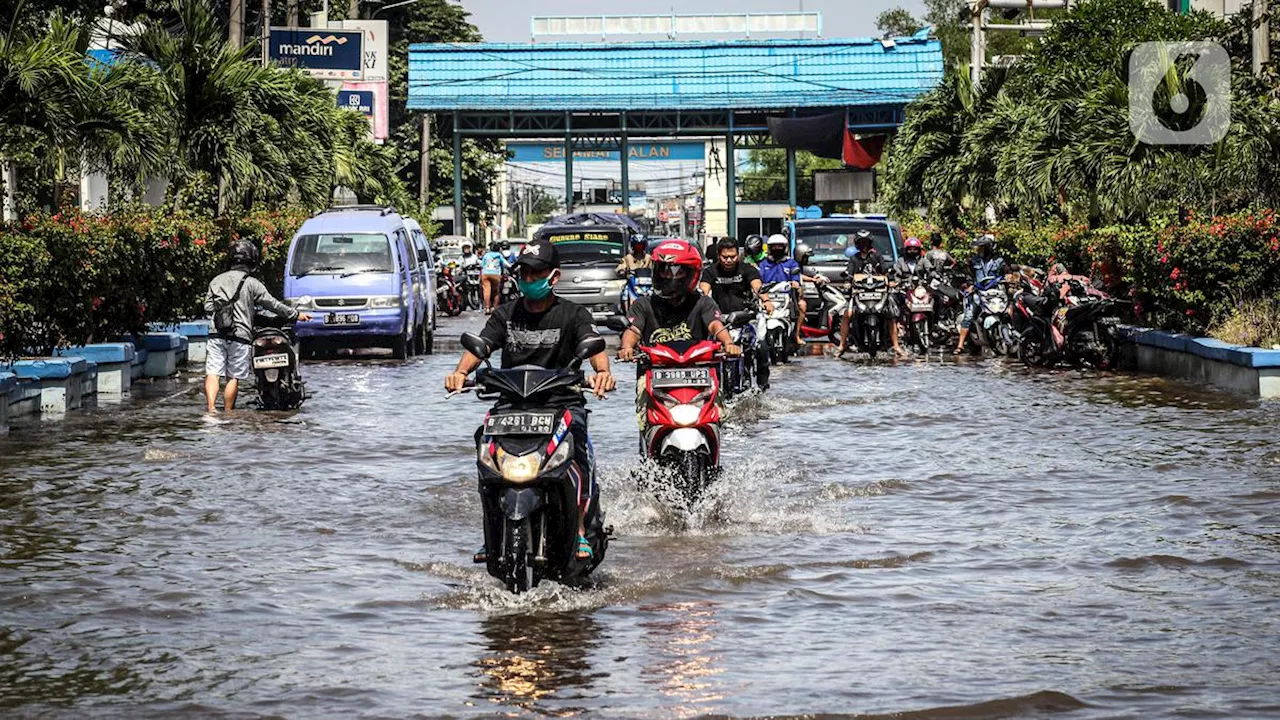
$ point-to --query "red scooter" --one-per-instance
(680, 413)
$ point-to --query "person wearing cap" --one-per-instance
(541, 329)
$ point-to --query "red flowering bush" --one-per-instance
(67, 279)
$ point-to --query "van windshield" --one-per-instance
(342, 254)
(829, 240)
(589, 247)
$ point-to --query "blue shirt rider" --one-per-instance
(986, 265)
(778, 267)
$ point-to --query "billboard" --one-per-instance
(554, 151)
(359, 100)
(371, 95)
(375, 47)
(320, 52)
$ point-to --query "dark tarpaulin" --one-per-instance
(827, 136)
(597, 219)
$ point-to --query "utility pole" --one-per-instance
(353, 10)
(266, 32)
(291, 13)
(1261, 35)
(424, 184)
(235, 27)
(979, 27)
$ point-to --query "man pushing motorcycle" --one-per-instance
(541, 329)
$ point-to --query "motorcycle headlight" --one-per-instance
(998, 304)
(520, 468)
(384, 301)
(686, 415)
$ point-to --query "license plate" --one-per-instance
(871, 296)
(342, 319)
(682, 377)
(262, 362)
(520, 424)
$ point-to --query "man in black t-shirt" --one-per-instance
(731, 282)
(541, 329)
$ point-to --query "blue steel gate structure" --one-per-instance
(596, 94)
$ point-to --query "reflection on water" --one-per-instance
(682, 663)
(529, 659)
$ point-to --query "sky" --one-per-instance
(508, 20)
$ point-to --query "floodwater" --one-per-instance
(960, 540)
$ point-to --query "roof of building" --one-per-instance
(707, 75)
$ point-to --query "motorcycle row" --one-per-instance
(458, 287)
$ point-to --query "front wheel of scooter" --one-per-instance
(518, 575)
(923, 336)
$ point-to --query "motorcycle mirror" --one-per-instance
(476, 345)
(589, 347)
(742, 318)
(616, 322)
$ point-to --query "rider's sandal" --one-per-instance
(584, 549)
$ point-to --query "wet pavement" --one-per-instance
(932, 538)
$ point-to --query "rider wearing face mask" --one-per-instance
(543, 330)
(778, 267)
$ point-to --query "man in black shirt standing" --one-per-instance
(732, 284)
(541, 329)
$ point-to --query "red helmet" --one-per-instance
(676, 269)
(913, 242)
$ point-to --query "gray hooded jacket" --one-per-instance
(253, 293)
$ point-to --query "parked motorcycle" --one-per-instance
(948, 307)
(1082, 330)
(448, 298)
(529, 476)
(680, 412)
(869, 329)
(275, 363)
(780, 328)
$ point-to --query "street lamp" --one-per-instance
(402, 3)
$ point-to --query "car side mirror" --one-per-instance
(589, 347)
(476, 345)
(616, 322)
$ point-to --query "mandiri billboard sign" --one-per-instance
(320, 52)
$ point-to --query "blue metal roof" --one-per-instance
(719, 75)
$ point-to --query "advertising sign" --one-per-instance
(375, 47)
(373, 94)
(320, 52)
(359, 100)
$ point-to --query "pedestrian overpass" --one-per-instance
(603, 96)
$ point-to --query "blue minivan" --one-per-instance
(356, 270)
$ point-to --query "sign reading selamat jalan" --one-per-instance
(323, 53)
(554, 152)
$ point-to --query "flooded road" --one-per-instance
(886, 539)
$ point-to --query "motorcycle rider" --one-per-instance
(866, 260)
(732, 284)
(778, 267)
(938, 257)
(541, 329)
(754, 249)
(230, 354)
(508, 252)
(985, 264)
(491, 267)
(675, 312)
(469, 257)
(637, 259)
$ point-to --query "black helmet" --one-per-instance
(987, 240)
(244, 253)
(754, 245)
(506, 245)
(861, 237)
(495, 246)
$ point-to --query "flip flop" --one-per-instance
(584, 549)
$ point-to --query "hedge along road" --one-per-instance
(886, 538)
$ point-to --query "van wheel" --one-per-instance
(399, 348)
(426, 340)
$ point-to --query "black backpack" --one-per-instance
(224, 312)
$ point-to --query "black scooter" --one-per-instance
(275, 363)
(527, 467)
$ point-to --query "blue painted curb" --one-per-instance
(1208, 348)
(48, 368)
(101, 352)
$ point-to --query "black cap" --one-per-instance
(539, 255)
